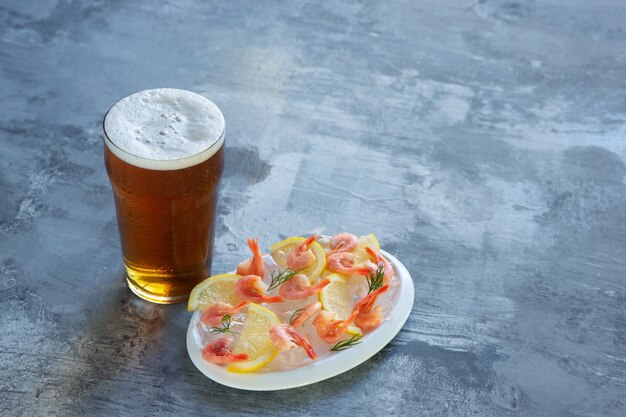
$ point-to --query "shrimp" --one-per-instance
(308, 312)
(369, 321)
(343, 242)
(380, 260)
(299, 286)
(329, 329)
(369, 317)
(212, 316)
(251, 288)
(286, 337)
(301, 256)
(343, 263)
(218, 352)
(254, 265)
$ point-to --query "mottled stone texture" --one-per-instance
(482, 141)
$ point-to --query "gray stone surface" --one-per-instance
(482, 141)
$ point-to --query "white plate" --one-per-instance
(324, 368)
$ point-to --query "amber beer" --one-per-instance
(164, 156)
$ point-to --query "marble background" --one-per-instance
(483, 142)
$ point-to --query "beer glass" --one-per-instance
(164, 155)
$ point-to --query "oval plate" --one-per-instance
(324, 368)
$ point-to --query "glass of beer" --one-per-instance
(164, 155)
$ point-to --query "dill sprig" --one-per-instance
(225, 326)
(295, 315)
(376, 279)
(280, 278)
(346, 343)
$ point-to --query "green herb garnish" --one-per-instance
(225, 326)
(376, 279)
(345, 344)
(280, 278)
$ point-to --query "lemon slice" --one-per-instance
(282, 249)
(336, 298)
(359, 252)
(214, 289)
(255, 340)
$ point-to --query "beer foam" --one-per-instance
(164, 129)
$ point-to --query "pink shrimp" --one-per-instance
(218, 352)
(212, 316)
(302, 255)
(251, 288)
(299, 286)
(369, 321)
(329, 329)
(369, 317)
(343, 242)
(308, 312)
(343, 263)
(254, 265)
(286, 337)
(380, 260)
